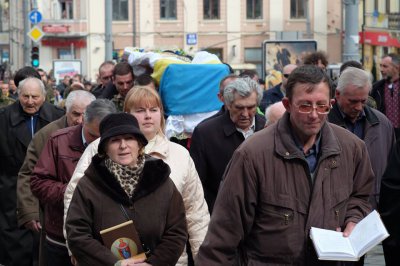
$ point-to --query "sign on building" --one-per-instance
(191, 38)
(63, 68)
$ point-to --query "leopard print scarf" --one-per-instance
(127, 177)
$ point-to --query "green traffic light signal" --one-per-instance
(35, 56)
(35, 62)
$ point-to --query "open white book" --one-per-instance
(331, 245)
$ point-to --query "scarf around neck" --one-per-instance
(127, 177)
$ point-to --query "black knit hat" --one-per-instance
(119, 124)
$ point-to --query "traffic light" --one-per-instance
(35, 56)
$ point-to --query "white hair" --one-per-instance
(78, 96)
(242, 86)
(23, 83)
(356, 77)
(274, 112)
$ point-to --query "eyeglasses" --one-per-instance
(286, 75)
(306, 108)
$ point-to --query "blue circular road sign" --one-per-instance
(35, 16)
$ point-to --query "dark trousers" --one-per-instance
(57, 255)
(397, 133)
(391, 252)
(18, 246)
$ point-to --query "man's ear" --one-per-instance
(286, 104)
(220, 97)
(337, 94)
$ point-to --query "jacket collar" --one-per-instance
(17, 115)
(276, 90)
(285, 145)
(335, 116)
(230, 128)
(371, 116)
(155, 173)
(76, 143)
(63, 120)
(160, 147)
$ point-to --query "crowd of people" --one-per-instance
(244, 189)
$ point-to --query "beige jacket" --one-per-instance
(184, 176)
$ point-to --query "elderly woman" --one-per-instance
(145, 104)
(122, 184)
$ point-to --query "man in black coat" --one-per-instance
(276, 93)
(19, 122)
(123, 79)
(105, 77)
(215, 140)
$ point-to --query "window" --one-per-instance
(120, 9)
(254, 9)
(211, 9)
(297, 9)
(65, 53)
(254, 56)
(66, 9)
(168, 9)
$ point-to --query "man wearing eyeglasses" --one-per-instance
(276, 93)
(297, 173)
(105, 77)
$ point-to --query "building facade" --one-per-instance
(380, 33)
(234, 29)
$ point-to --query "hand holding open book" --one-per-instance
(331, 245)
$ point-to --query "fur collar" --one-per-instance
(155, 173)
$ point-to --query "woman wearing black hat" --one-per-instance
(122, 184)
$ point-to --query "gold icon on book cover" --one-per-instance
(123, 240)
(124, 248)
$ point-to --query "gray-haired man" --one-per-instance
(215, 140)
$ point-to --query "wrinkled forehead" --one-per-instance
(250, 98)
(106, 68)
(31, 87)
(354, 90)
(387, 61)
(301, 89)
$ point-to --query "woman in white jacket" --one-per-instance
(145, 104)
